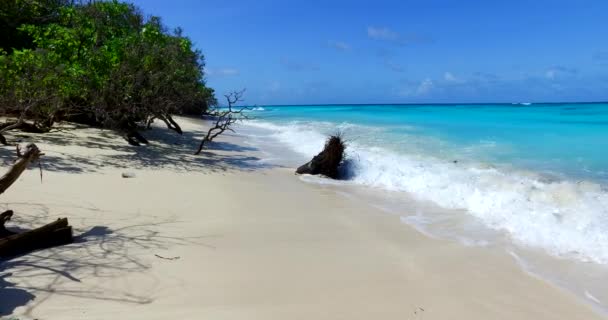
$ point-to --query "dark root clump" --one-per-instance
(328, 161)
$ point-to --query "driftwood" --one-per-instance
(30, 154)
(52, 234)
(5, 217)
(22, 126)
(328, 161)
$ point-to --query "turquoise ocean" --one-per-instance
(533, 174)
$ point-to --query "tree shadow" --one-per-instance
(79, 149)
(101, 254)
(12, 297)
(98, 255)
(228, 146)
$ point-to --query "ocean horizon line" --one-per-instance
(520, 104)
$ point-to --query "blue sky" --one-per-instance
(424, 51)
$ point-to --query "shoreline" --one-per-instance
(551, 228)
(247, 240)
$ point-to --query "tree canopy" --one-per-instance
(96, 62)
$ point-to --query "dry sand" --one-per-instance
(221, 236)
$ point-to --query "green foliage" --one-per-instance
(14, 13)
(101, 63)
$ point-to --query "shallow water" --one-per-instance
(530, 179)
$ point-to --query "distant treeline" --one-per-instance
(100, 63)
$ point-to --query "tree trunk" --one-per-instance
(32, 153)
(149, 122)
(176, 126)
(134, 138)
(200, 147)
(171, 124)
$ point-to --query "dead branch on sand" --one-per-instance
(224, 118)
(53, 234)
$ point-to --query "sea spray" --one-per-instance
(566, 218)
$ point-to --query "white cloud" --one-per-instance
(275, 86)
(223, 72)
(339, 45)
(425, 87)
(228, 72)
(386, 34)
(485, 77)
(382, 33)
(394, 66)
(601, 56)
(422, 88)
(294, 65)
(559, 71)
(449, 77)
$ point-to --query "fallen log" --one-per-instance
(328, 161)
(22, 126)
(53, 234)
(4, 218)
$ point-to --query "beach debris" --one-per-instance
(53, 234)
(165, 258)
(127, 175)
(22, 126)
(418, 310)
(328, 161)
(4, 218)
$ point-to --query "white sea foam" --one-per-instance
(592, 298)
(566, 218)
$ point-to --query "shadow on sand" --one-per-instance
(103, 252)
(98, 253)
(167, 150)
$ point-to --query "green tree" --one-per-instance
(101, 63)
(14, 13)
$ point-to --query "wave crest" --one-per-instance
(566, 218)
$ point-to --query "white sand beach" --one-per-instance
(223, 236)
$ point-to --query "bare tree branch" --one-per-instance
(225, 118)
(32, 153)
